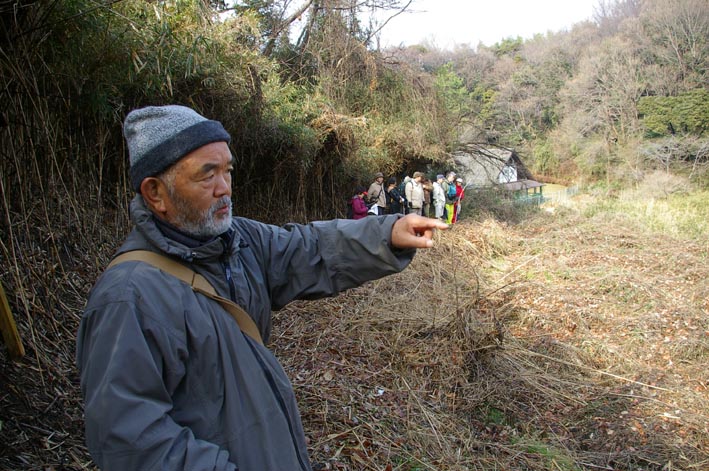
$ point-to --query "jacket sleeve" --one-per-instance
(323, 258)
(134, 364)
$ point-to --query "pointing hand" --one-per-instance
(414, 231)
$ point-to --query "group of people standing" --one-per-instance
(448, 193)
(416, 194)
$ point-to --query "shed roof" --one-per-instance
(482, 166)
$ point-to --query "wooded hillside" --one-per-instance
(312, 113)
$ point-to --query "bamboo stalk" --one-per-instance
(9, 328)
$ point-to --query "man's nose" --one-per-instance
(223, 186)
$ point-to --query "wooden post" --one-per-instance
(9, 329)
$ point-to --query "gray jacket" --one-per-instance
(169, 380)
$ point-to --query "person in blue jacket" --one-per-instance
(169, 380)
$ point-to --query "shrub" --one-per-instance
(687, 113)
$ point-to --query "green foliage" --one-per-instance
(592, 159)
(687, 113)
(176, 47)
(553, 457)
(406, 118)
(288, 112)
(493, 415)
(336, 107)
(452, 90)
(544, 159)
(681, 214)
(487, 99)
(265, 12)
(508, 46)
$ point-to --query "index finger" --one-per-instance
(435, 224)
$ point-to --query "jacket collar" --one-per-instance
(169, 239)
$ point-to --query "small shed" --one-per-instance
(497, 167)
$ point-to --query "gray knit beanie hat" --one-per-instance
(159, 136)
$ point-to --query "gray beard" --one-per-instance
(205, 224)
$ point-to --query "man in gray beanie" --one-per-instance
(170, 380)
(159, 136)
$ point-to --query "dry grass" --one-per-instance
(573, 341)
(567, 342)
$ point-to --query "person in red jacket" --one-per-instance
(359, 207)
(459, 194)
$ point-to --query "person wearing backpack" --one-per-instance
(451, 197)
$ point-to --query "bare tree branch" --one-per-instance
(283, 25)
(401, 10)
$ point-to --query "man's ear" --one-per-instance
(154, 194)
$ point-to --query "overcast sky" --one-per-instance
(446, 23)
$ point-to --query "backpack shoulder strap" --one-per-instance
(197, 282)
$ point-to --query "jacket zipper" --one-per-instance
(266, 371)
(227, 270)
(227, 275)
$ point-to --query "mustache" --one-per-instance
(220, 203)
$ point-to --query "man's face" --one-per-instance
(451, 177)
(380, 180)
(199, 196)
